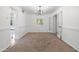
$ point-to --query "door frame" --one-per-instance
(60, 24)
(13, 15)
(57, 21)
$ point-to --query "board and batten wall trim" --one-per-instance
(5, 35)
(70, 35)
(71, 28)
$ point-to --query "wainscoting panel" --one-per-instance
(4, 38)
(20, 32)
(71, 36)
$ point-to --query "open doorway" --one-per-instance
(53, 24)
(57, 22)
(12, 25)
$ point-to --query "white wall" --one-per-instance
(20, 23)
(53, 27)
(70, 30)
(34, 27)
(71, 26)
(4, 27)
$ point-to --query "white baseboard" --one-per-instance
(4, 48)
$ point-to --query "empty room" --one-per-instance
(39, 28)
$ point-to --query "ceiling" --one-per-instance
(34, 9)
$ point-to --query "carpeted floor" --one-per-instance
(40, 42)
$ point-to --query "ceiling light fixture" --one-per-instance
(40, 10)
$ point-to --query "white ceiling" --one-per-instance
(34, 9)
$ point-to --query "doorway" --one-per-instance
(59, 24)
(55, 23)
(13, 14)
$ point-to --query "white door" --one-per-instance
(59, 25)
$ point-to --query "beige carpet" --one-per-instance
(40, 42)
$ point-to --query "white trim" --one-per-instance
(6, 28)
(4, 48)
(20, 26)
(74, 30)
(58, 11)
(71, 28)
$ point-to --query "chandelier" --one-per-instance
(40, 11)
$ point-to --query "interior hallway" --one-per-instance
(40, 42)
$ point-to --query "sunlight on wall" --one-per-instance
(12, 38)
(39, 21)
